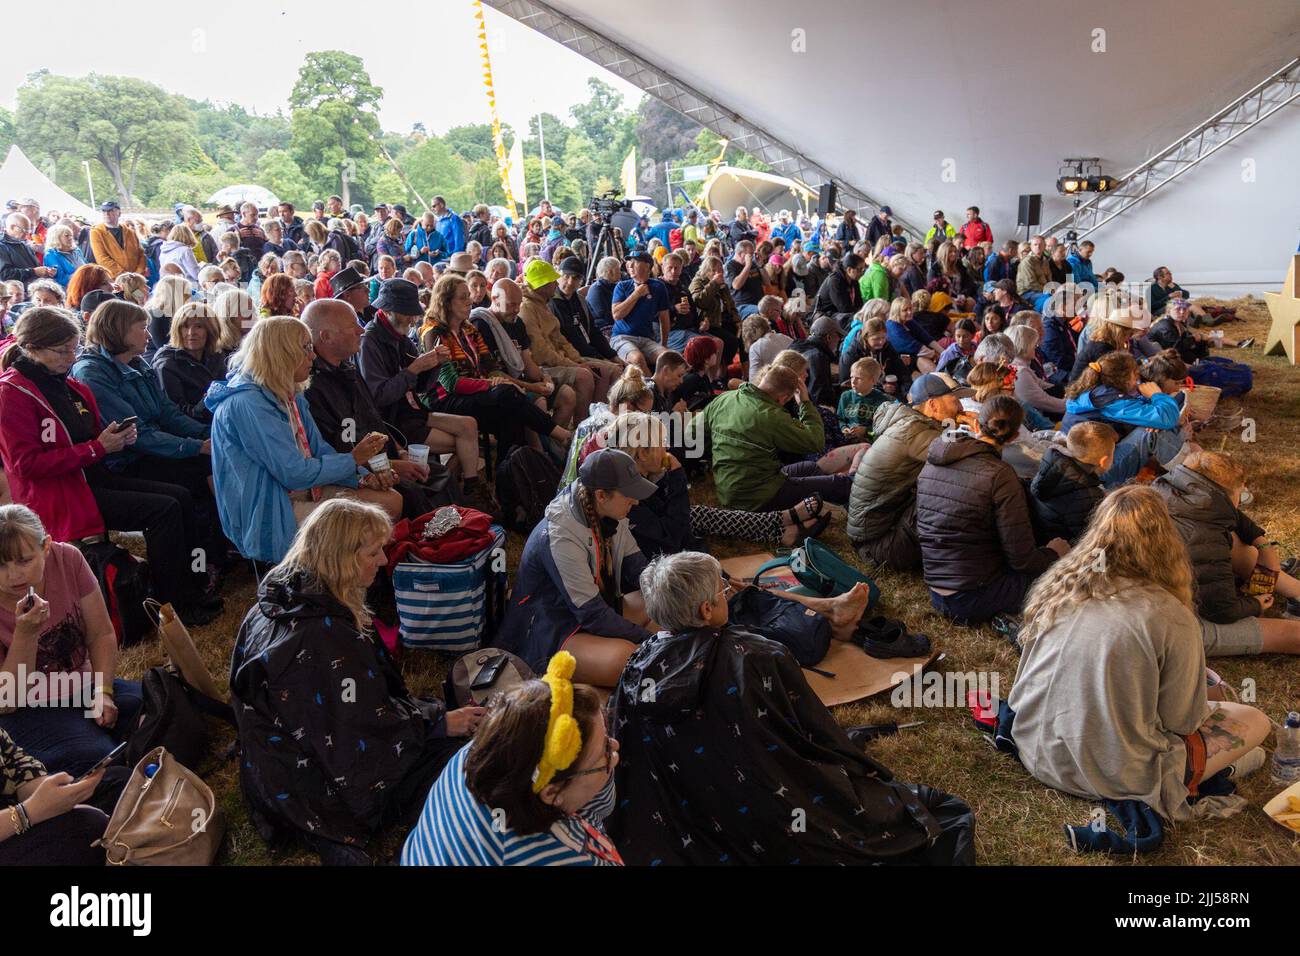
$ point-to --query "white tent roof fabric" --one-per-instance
(940, 104)
(19, 179)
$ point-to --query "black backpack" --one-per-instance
(173, 716)
(124, 581)
(526, 482)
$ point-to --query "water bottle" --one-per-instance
(1286, 758)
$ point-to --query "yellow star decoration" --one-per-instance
(1284, 307)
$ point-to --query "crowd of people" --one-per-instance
(274, 392)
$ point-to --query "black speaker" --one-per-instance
(1031, 210)
(826, 194)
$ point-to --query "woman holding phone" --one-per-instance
(54, 445)
(58, 642)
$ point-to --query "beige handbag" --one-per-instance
(180, 649)
(168, 819)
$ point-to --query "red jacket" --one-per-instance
(47, 476)
(973, 233)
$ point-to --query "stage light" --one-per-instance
(1068, 184)
(1084, 175)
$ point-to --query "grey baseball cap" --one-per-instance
(608, 469)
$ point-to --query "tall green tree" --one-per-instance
(556, 138)
(599, 117)
(277, 171)
(126, 125)
(334, 120)
(7, 134)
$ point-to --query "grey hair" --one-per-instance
(996, 348)
(609, 265)
(210, 272)
(675, 585)
(1024, 338)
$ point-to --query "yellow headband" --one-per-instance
(563, 740)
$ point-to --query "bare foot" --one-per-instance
(846, 611)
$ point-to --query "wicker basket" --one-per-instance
(1201, 401)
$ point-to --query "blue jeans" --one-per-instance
(1138, 447)
(1003, 595)
(64, 738)
(678, 338)
(746, 311)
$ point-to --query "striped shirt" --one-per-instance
(455, 829)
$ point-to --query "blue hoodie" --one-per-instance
(256, 462)
(452, 229)
(1081, 269)
(124, 390)
(418, 239)
(1106, 404)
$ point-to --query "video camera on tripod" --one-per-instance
(607, 204)
(614, 214)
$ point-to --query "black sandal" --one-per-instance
(814, 513)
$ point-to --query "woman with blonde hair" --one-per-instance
(132, 287)
(1110, 696)
(270, 465)
(192, 360)
(235, 314)
(178, 248)
(169, 294)
(62, 254)
(344, 771)
(327, 266)
(1114, 320)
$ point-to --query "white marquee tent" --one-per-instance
(20, 179)
(946, 103)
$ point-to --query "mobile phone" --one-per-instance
(29, 601)
(126, 423)
(488, 673)
(109, 758)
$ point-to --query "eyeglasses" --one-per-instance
(603, 769)
(68, 350)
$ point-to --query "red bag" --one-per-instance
(472, 535)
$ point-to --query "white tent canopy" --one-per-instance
(244, 192)
(941, 104)
(19, 179)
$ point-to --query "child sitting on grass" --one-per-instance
(858, 405)
(1067, 488)
(962, 347)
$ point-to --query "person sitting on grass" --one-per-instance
(700, 796)
(532, 789)
(50, 819)
(1237, 569)
(1110, 696)
(871, 340)
(1145, 418)
(334, 745)
(54, 623)
(1171, 332)
(962, 347)
(882, 503)
(977, 543)
(1067, 488)
(858, 404)
(576, 587)
(749, 429)
(761, 343)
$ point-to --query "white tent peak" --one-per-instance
(20, 179)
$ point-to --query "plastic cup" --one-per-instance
(419, 454)
(378, 463)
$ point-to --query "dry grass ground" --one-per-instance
(1019, 821)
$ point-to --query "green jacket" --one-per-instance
(748, 430)
(874, 283)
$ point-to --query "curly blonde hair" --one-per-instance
(1130, 539)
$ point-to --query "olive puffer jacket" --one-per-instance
(971, 516)
(885, 483)
(1207, 519)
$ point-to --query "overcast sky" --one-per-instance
(423, 54)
